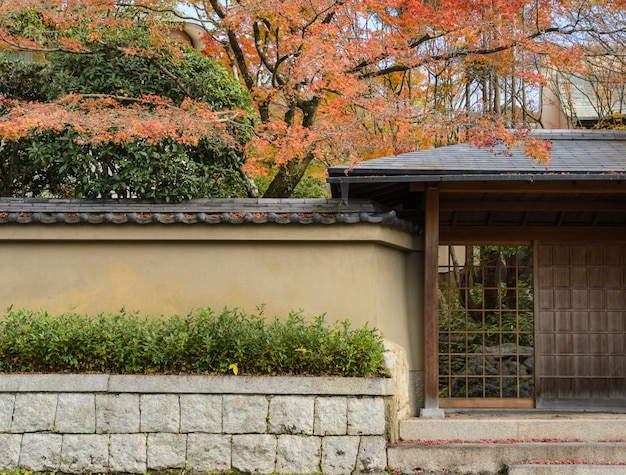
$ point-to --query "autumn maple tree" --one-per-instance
(344, 80)
(352, 79)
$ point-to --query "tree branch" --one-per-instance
(39, 49)
(172, 76)
(258, 44)
(459, 53)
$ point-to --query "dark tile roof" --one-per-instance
(586, 154)
(203, 211)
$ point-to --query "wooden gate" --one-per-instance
(486, 333)
(580, 323)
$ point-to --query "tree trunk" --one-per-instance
(290, 173)
(287, 178)
(496, 93)
(252, 190)
(513, 95)
(486, 274)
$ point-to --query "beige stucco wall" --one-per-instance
(363, 272)
(552, 116)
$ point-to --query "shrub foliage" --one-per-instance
(203, 341)
(112, 120)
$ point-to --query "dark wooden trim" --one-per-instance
(431, 310)
(487, 403)
(599, 404)
(534, 205)
(512, 234)
(602, 187)
(537, 365)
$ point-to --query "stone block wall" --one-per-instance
(134, 424)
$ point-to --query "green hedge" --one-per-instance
(201, 342)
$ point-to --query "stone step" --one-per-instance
(565, 469)
(476, 427)
(493, 457)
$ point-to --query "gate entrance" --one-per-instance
(486, 326)
(489, 318)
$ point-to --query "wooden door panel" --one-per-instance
(581, 325)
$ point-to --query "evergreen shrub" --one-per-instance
(203, 341)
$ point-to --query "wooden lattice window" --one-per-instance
(486, 325)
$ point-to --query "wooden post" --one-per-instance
(431, 307)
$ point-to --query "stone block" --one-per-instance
(209, 452)
(372, 456)
(166, 451)
(291, 415)
(298, 454)
(366, 416)
(7, 402)
(85, 453)
(432, 413)
(564, 469)
(229, 384)
(34, 412)
(416, 391)
(54, 383)
(201, 413)
(245, 414)
(117, 413)
(339, 454)
(128, 453)
(160, 413)
(41, 452)
(10, 445)
(76, 413)
(254, 453)
(331, 416)
(398, 368)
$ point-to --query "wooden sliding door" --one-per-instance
(580, 323)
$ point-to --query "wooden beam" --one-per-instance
(487, 403)
(517, 186)
(603, 187)
(534, 205)
(417, 186)
(431, 304)
(510, 234)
